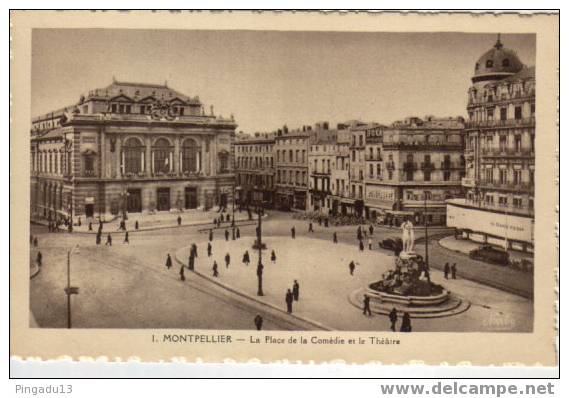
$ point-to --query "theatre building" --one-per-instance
(130, 148)
(500, 153)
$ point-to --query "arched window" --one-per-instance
(162, 156)
(133, 156)
(489, 63)
(506, 63)
(191, 161)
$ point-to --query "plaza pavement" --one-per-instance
(128, 286)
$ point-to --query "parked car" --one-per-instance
(490, 254)
(395, 244)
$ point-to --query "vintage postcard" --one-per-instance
(279, 186)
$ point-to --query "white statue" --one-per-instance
(408, 236)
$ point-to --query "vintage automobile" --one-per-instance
(395, 244)
(490, 254)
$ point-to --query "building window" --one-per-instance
(503, 113)
(503, 176)
(162, 152)
(518, 143)
(517, 202)
(142, 109)
(489, 175)
(517, 177)
(489, 63)
(503, 201)
(378, 169)
(191, 161)
(114, 108)
(127, 108)
(427, 175)
(531, 177)
(506, 63)
(133, 156)
(89, 165)
(503, 143)
(371, 170)
(290, 159)
(490, 114)
(532, 109)
(518, 112)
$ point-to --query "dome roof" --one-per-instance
(497, 62)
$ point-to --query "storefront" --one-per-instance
(491, 226)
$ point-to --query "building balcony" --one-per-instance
(507, 186)
(427, 166)
(452, 166)
(505, 99)
(508, 152)
(422, 146)
(373, 157)
(527, 122)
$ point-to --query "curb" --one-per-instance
(253, 298)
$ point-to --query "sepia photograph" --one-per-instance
(262, 180)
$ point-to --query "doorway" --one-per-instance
(191, 197)
(134, 201)
(163, 202)
(89, 210)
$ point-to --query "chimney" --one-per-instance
(325, 125)
(303, 128)
(285, 129)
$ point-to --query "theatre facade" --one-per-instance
(130, 148)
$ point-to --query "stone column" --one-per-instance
(176, 166)
(148, 157)
(118, 155)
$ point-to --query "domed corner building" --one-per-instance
(130, 148)
(500, 153)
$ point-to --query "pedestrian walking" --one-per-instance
(215, 273)
(352, 267)
(369, 243)
(371, 229)
(237, 233)
(258, 322)
(109, 240)
(288, 300)
(39, 258)
(179, 221)
(90, 226)
(194, 250)
(361, 245)
(367, 309)
(182, 276)
(393, 318)
(168, 261)
(453, 271)
(209, 249)
(191, 261)
(246, 259)
(273, 256)
(295, 290)
(136, 225)
(359, 233)
(335, 237)
(446, 270)
(98, 239)
(226, 235)
(406, 323)
(35, 242)
(293, 232)
(100, 225)
(310, 228)
(227, 260)
(126, 238)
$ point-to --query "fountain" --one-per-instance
(408, 287)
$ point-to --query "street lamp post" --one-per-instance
(260, 247)
(233, 207)
(69, 290)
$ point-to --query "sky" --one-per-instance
(270, 78)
